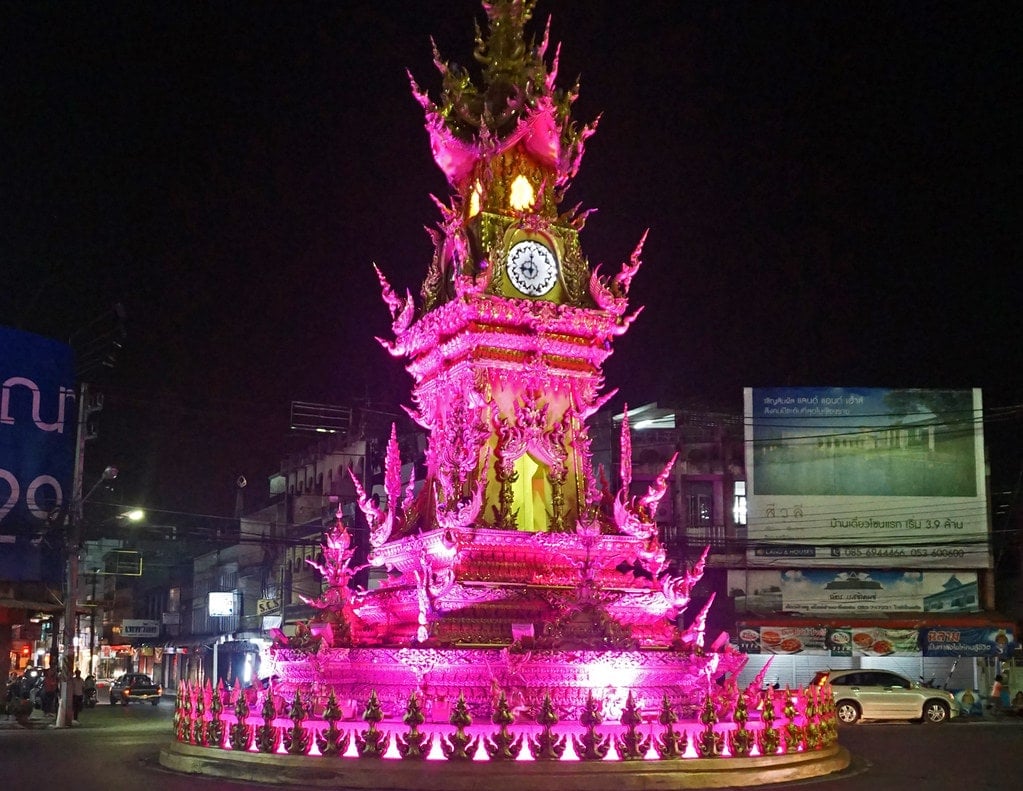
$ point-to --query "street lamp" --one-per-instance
(74, 529)
(132, 516)
(93, 665)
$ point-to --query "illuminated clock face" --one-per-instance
(532, 268)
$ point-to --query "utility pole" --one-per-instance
(92, 625)
(72, 542)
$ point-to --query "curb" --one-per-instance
(319, 772)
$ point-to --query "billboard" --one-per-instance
(859, 641)
(854, 592)
(37, 433)
(980, 641)
(783, 640)
(866, 477)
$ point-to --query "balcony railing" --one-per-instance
(688, 541)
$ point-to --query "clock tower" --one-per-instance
(506, 346)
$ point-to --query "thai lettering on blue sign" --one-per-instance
(973, 641)
(37, 435)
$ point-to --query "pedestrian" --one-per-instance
(50, 688)
(77, 693)
(89, 690)
(994, 700)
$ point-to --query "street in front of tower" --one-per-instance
(117, 747)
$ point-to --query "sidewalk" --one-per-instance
(981, 716)
(37, 720)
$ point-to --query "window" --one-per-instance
(890, 680)
(739, 503)
(700, 503)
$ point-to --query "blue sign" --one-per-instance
(38, 416)
(969, 641)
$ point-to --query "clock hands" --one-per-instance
(532, 268)
(529, 268)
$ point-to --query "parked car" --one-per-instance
(883, 695)
(135, 686)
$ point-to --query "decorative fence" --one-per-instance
(770, 722)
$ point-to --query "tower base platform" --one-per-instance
(426, 775)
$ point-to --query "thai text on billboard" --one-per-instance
(37, 432)
(866, 477)
(979, 641)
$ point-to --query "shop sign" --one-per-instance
(221, 604)
(973, 641)
(267, 606)
(828, 641)
(783, 640)
(271, 622)
(131, 628)
(840, 642)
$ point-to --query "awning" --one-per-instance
(227, 642)
(32, 605)
(192, 641)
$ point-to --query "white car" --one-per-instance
(883, 695)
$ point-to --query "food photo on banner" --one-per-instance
(828, 641)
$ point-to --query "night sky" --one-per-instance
(831, 191)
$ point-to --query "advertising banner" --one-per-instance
(865, 477)
(38, 419)
(830, 592)
(828, 641)
(981, 641)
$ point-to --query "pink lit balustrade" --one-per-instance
(760, 723)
